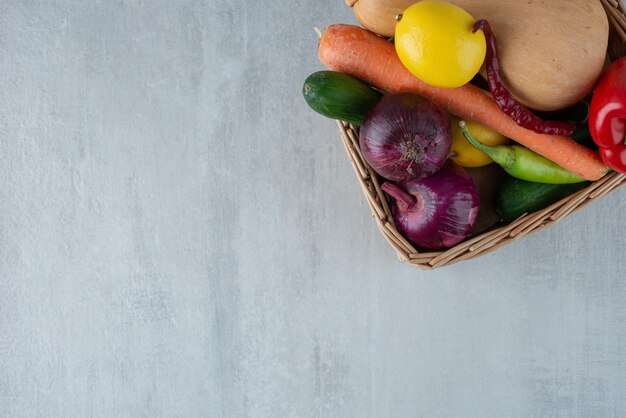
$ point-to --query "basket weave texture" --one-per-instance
(500, 235)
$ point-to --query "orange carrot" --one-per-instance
(370, 58)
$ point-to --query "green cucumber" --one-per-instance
(515, 197)
(339, 96)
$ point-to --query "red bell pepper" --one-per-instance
(607, 115)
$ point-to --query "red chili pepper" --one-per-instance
(503, 97)
(607, 115)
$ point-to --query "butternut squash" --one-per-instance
(379, 16)
(551, 51)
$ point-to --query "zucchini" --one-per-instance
(515, 197)
(339, 96)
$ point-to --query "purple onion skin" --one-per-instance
(405, 137)
(435, 212)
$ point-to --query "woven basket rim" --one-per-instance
(501, 234)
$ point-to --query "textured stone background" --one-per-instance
(180, 236)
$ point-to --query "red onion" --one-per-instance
(435, 212)
(405, 137)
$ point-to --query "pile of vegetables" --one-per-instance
(468, 85)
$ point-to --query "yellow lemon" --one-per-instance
(434, 41)
(463, 153)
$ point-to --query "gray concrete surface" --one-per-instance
(181, 237)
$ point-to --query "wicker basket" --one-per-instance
(499, 235)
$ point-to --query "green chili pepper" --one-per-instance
(523, 163)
